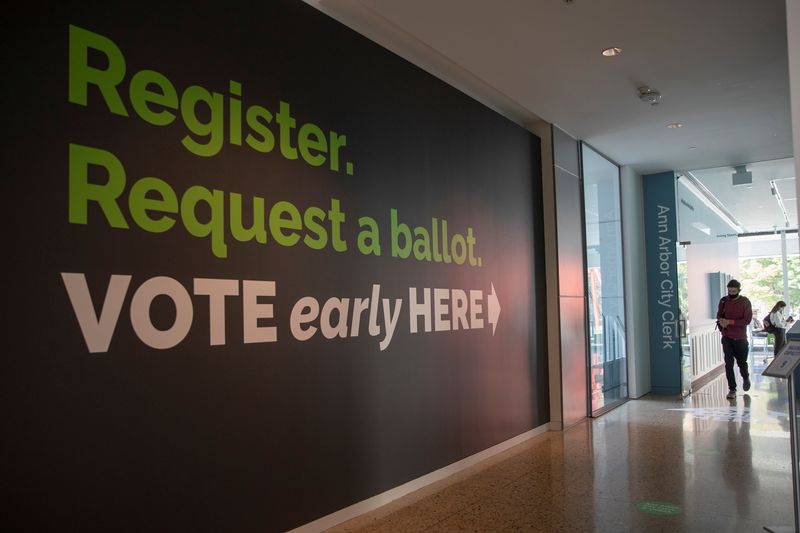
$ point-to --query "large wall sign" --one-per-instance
(260, 269)
(661, 234)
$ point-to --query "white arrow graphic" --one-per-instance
(494, 309)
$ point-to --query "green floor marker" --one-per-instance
(659, 508)
(703, 451)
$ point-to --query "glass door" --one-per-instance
(683, 326)
(608, 362)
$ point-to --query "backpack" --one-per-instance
(768, 326)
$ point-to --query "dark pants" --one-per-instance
(780, 339)
(735, 350)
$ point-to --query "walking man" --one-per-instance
(734, 314)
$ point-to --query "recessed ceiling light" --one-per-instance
(613, 51)
(675, 125)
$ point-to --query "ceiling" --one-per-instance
(721, 66)
(755, 207)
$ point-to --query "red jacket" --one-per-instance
(739, 314)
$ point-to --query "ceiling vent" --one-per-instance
(742, 178)
(648, 95)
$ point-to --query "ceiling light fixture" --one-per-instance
(774, 190)
(675, 125)
(693, 148)
(613, 51)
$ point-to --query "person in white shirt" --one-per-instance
(780, 322)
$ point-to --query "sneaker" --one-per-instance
(731, 395)
(746, 385)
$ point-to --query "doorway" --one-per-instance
(733, 222)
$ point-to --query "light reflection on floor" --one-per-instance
(724, 463)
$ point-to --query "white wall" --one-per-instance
(793, 34)
(635, 283)
(694, 213)
(703, 259)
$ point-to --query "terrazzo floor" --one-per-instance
(702, 464)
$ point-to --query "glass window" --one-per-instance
(608, 363)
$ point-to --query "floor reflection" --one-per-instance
(723, 464)
(737, 464)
